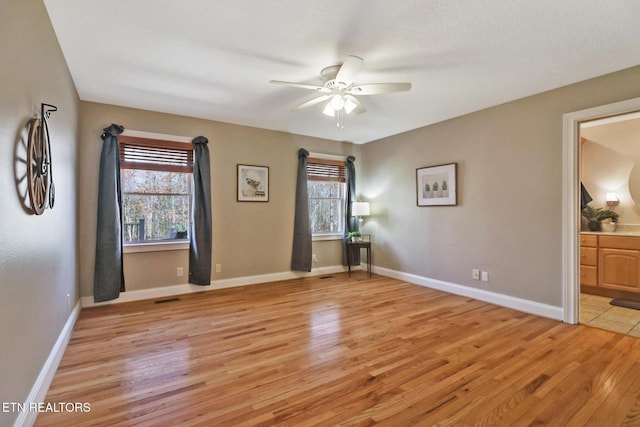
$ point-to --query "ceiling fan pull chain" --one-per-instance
(340, 118)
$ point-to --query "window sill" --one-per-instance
(332, 236)
(174, 245)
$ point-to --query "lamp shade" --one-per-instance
(360, 209)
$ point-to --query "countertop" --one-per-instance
(631, 230)
(613, 233)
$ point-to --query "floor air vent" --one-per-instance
(162, 301)
(326, 277)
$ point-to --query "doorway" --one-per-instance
(571, 198)
(610, 172)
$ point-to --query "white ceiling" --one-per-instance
(213, 59)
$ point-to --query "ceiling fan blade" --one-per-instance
(379, 88)
(359, 107)
(311, 102)
(347, 72)
(301, 85)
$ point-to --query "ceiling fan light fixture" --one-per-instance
(328, 110)
(338, 90)
(349, 105)
(337, 102)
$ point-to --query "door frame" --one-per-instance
(571, 198)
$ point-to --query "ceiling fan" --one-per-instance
(338, 90)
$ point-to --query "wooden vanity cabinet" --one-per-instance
(588, 260)
(610, 265)
(619, 259)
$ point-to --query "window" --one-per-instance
(156, 189)
(326, 188)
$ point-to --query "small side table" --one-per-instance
(353, 246)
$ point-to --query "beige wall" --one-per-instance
(509, 216)
(609, 155)
(605, 170)
(248, 238)
(38, 253)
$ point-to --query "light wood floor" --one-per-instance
(341, 351)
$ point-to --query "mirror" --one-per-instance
(634, 183)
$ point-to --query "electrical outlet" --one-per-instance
(475, 273)
(218, 268)
(180, 272)
(485, 276)
(314, 258)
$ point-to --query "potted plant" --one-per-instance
(427, 191)
(181, 231)
(608, 220)
(592, 214)
(436, 192)
(596, 215)
(354, 236)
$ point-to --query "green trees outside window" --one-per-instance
(326, 206)
(155, 205)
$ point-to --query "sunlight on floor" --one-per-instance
(597, 312)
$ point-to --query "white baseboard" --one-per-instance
(41, 386)
(519, 304)
(167, 291)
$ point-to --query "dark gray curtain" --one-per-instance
(350, 222)
(200, 224)
(301, 257)
(108, 279)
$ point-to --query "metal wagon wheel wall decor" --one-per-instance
(42, 191)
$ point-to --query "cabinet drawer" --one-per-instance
(588, 275)
(588, 256)
(620, 242)
(590, 240)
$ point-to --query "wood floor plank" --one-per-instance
(345, 351)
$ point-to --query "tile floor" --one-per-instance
(597, 312)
